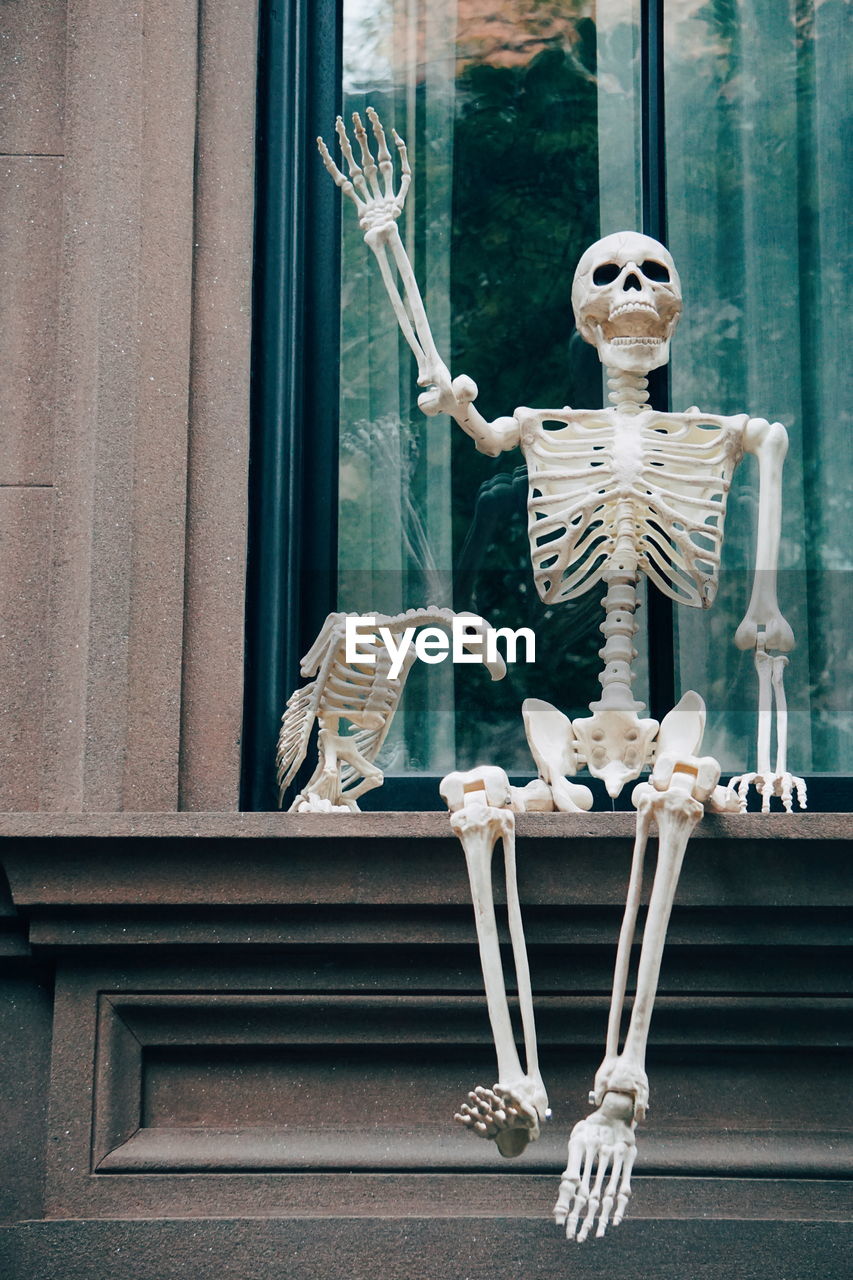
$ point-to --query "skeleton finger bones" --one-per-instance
(768, 781)
(378, 206)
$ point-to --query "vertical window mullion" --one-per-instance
(660, 618)
(293, 467)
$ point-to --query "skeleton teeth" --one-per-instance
(627, 342)
(632, 306)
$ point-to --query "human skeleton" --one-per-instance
(613, 493)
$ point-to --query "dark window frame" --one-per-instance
(292, 556)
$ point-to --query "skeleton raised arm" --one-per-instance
(370, 186)
(764, 627)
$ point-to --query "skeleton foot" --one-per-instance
(504, 1115)
(768, 785)
(597, 1179)
(312, 803)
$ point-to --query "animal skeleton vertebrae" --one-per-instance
(614, 494)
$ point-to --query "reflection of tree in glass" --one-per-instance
(756, 122)
(525, 208)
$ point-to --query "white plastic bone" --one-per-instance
(626, 297)
(551, 741)
(677, 768)
(680, 784)
(763, 620)
(511, 1113)
(765, 628)
(604, 1142)
(614, 492)
(660, 480)
(378, 211)
(770, 782)
(364, 694)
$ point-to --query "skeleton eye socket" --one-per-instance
(655, 271)
(605, 274)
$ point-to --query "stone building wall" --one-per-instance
(126, 156)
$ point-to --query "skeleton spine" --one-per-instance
(618, 628)
(629, 392)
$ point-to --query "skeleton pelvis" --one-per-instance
(617, 745)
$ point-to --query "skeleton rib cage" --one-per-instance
(663, 479)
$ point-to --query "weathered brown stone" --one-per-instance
(25, 540)
(32, 73)
(138, 225)
(30, 225)
(219, 412)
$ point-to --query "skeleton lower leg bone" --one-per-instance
(511, 1112)
(522, 967)
(626, 933)
(605, 1141)
(676, 812)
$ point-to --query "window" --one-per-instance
(713, 127)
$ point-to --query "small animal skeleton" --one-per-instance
(363, 693)
(613, 493)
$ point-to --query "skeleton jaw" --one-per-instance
(631, 352)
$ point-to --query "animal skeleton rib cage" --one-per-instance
(613, 493)
(362, 693)
(661, 477)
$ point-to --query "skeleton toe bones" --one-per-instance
(603, 1143)
(480, 814)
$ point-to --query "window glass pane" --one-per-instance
(523, 127)
(757, 196)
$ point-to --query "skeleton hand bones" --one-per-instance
(767, 781)
(378, 211)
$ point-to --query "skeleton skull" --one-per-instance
(626, 297)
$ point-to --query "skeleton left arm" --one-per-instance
(763, 626)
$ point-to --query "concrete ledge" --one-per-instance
(396, 825)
